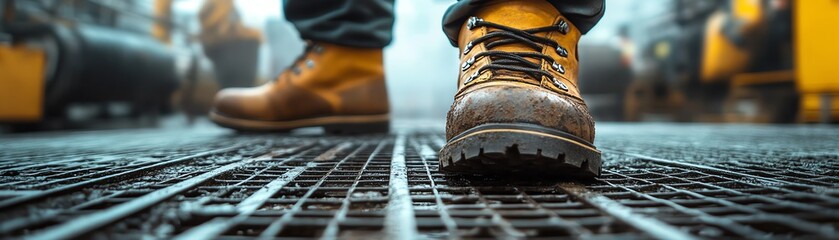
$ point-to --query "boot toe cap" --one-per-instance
(237, 103)
(512, 104)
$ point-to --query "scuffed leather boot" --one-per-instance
(339, 88)
(518, 108)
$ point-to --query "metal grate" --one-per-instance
(215, 185)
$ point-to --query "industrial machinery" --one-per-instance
(665, 82)
(230, 45)
(604, 75)
(738, 61)
(58, 54)
(226, 55)
(815, 71)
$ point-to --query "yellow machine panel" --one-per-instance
(721, 58)
(811, 107)
(21, 83)
(816, 33)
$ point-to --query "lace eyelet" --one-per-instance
(467, 48)
(470, 24)
(467, 64)
(559, 84)
(471, 77)
(317, 49)
(558, 67)
(310, 63)
(563, 26)
(562, 51)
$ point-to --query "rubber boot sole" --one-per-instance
(355, 124)
(520, 149)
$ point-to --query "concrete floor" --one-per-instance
(665, 181)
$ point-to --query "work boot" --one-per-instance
(518, 109)
(339, 88)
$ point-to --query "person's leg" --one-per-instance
(338, 83)
(518, 107)
(582, 13)
(354, 23)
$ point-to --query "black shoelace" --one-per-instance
(516, 61)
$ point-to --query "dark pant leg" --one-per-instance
(354, 23)
(583, 13)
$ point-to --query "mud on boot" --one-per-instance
(518, 108)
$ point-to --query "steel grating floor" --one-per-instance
(660, 181)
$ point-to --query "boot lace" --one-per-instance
(516, 61)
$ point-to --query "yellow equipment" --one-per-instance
(721, 57)
(816, 34)
(21, 83)
(813, 81)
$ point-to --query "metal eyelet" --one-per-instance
(558, 67)
(310, 63)
(562, 51)
(295, 70)
(563, 26)
(467, 48)
(559, 84)
(467, 64)
(470, 24)
(471, 77)
(317, 49)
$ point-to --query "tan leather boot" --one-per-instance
(518, 108)
(339, 88)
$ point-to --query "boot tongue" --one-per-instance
(519, 14)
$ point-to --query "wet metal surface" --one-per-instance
(659, 182)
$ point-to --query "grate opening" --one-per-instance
(381, 186)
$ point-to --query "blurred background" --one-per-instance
(69, 64)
